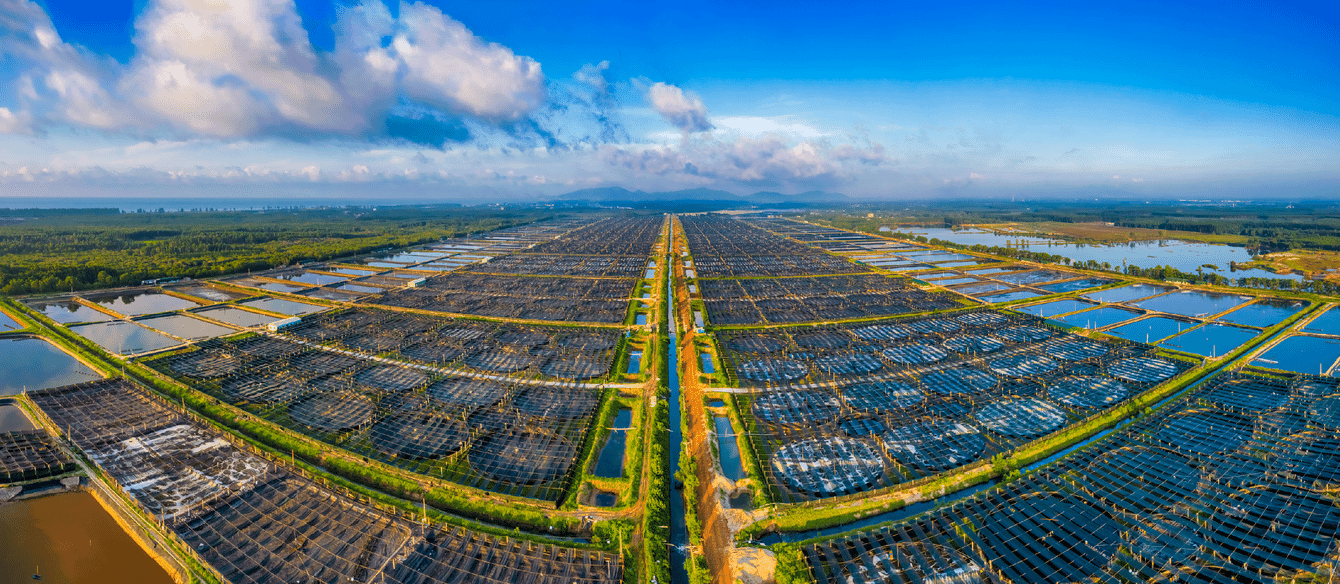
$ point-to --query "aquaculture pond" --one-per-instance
(952, 281)
(12, 418)
(1150, 330)
(314, 278)
(277, 287)
(610, 462)
(69, 311)
(34, 364)
(1302, 354)
(350, 272)
(728, 450)
(210, 293)
(70, 538)
(1265, 313)
(1073, 285)
(237, 316)
(1327, 323)
(283, 306)
(1055, 307)
(185, 327)
(141, 303)
(1010, 296)
(641, 319)
(1185, 256)
(1211, 340)
(362, 288)
(1127, 293)
(707, 363)
(8, 324)
(1098, 318)
(124, 338)
(634, 362)
(1193, 303)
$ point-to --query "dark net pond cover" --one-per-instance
(881, 396)
(1025, 417)
(828, 466)
(795, 407)
(934, 444)
(1087, 392)
(1189, 493)
(255, 522)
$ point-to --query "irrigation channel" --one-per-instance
(679, 531)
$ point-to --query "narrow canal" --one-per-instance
(679, 532)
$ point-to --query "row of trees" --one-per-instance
(81, 252)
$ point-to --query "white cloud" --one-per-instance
(755, 125)
(244, 68)
(230, 68)
(593, 75)
(768, 161)
(683, 109)
(14, 123)
(447, 66)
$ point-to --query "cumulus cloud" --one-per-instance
(594, 75)
(448, 66)
(683, 109)
(243, 68)
(14, 123)
(768, 161)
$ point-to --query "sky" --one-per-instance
(513, 100)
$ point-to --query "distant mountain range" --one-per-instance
(621, 197)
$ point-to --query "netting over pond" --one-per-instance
(937, 409)
(30, 454)
(531, 264)
(1204, 490)
(563, 299)
(499, 435)
(565, 353)
(253, 520)
(786, 300)
(724, 247)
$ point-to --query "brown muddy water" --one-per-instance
(74, 541)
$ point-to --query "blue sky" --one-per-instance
(516, 99)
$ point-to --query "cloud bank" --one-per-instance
(246, 68)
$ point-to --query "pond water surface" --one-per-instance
(1265, 313)
(124, 338)
(141, 303)
(1193, 303)
(610, 463)
(1150, 330)
(1099, 318)
(237, 316)
(282, 306)
(1055, 307)
(1211, 340)
(1327, 323)
(185, 327)
(728, 449)
(1127, 293)
(8, 324)
(1302, 354)
(69, 311)
(71, 539)
(36, 364)
(1185, 256)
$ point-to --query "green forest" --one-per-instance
(1273, 227)
(50, 251)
